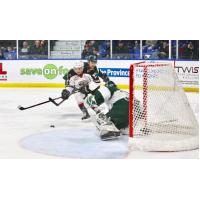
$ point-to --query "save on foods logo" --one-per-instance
(3, 73)
(49, 71)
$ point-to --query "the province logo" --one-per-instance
(3, 73)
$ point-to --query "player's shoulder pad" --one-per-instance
(69, 74)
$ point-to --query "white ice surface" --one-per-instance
(71, 143)
(16, 125)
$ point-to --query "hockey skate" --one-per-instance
(85, 115)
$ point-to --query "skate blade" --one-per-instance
(89, 119)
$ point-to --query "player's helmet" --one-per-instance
(92, 58)
(78, 65)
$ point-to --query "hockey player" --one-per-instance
(111, 123)
(76, 80)
(90, 68)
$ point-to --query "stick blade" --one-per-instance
(20, 107)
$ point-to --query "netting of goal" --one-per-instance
(160, 116)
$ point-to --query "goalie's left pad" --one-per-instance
(107, 129)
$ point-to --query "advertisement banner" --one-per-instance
(49, 73)
(188, 73)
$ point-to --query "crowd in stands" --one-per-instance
(33, 49)
(188, 49)
(155, 49)
(173, 49)
(126, 49)
(8, 50)
(100, 48)
(121, 49)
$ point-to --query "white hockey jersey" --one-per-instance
(76, 82)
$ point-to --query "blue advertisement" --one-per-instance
(115, 72)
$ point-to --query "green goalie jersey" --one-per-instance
(118, 102)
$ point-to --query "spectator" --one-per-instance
(196, 49)
(96, 52)
(10, 54)
(121, 50)
(173, 49)
(25, 50)
(1, 54)
(90, 48)
(33, 49)
(189, 51)
(181, 50)
(156, 49)
(36, 49)
(8, 49)
(44, 46)
(164, 50)
(85, 52)
(100, 48)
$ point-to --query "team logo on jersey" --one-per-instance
(3, 73)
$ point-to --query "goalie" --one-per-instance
(110, 124)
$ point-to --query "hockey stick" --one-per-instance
(55, 103)
(24, 108)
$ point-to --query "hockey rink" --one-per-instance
(48, 131)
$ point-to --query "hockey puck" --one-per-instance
(52, 126)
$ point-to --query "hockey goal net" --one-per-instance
(160, 117)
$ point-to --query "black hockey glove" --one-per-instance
(65, 94)
(105, 78)
(85, 90)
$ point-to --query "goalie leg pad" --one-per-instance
(109, 135)
(107, 129)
